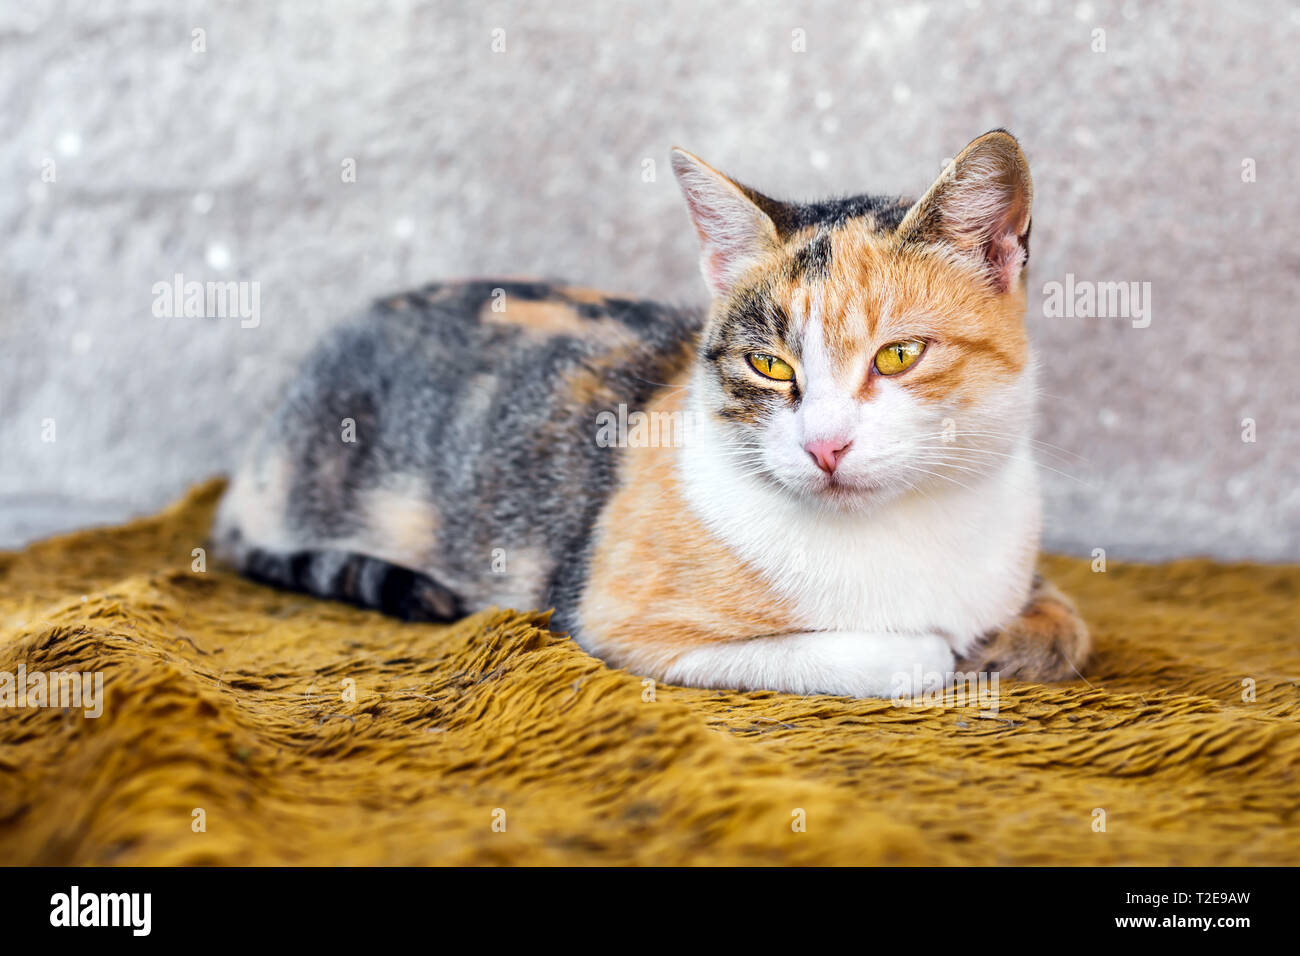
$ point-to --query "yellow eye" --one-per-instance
(771, 366)
(898, 356)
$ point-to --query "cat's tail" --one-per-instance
(358, 579)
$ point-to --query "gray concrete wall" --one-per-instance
(226, 164)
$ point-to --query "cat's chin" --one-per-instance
(847, 495)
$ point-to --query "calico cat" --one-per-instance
(845, 502)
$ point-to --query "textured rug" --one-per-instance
(242, 725)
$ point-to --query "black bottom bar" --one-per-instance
(328, 906)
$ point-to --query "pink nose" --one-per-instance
(827, 452)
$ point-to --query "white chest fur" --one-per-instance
(954, 561)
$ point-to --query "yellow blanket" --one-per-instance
(242, 725)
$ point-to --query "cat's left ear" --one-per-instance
(981, 205)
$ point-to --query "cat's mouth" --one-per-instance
(839, 489)
(834, 489)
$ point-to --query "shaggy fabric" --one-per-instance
(229, 698)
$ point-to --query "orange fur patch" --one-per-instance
(548, 317)
(659, 584)
(879, 290)
(584, 296)
(400, 525)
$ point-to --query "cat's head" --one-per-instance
(860, 348)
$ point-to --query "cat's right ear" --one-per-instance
(734, 232)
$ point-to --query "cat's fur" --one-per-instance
(478, 475)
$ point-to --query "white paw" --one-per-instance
(897, 666)
(842, 663)
(929, 664)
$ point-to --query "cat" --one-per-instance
(849, 507)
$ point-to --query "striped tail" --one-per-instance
(356, 578)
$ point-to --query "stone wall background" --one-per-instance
(225, 164)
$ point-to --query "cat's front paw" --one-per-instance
(923, 664)
(893, 666)
(840, 663)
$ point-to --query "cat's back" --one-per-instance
(524, 348)
(454, 428)
(485, 325)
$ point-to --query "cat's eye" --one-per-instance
(898, 356)
(771, 367)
